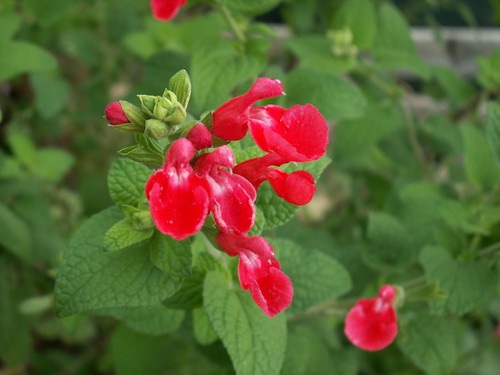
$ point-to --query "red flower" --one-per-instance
(297, 187)
(231, 196)
(230, 121)
(178, 198)
(299, 133)
(259, 271)
(181, 197)
(115, 115)
(165, 10)
(372, 323)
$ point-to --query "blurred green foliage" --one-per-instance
(409, 198)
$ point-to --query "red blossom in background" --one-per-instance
(165, 10)
(115, 115)
(372, 323)
(259, 271)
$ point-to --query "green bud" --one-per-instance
(148, 103)
(134, 114)
(168, 109)
(157, 129)
(142, 220)
(180, 85)
(341, 42)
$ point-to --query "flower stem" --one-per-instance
(490, 250)
(232, 23)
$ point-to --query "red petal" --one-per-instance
(232, 199)
(371, 324)
(178, 197)
(165, 10)
(297, 188)
(115, 115)
(230, 121)
(273, 293)
(300, 134)
(259, 271)
(254, 170)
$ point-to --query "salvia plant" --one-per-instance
(280, 207)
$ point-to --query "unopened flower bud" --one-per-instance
(148, 103)
(168, 109)
(200, 137)
(342, 43)
(156, 129)
(115, 115)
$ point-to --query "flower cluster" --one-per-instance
(372, 323)
(197, 180)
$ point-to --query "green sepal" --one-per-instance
(157, 129)
(135, 115)
(128, 128)
(180, 85)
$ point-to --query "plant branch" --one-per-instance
(232, 23)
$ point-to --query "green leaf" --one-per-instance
(251, 6)
(15, 337)
(150, 320)
(480, 165)
(203, 328)
(457, 89)
(14, 234)
(23, 57)
(259, 224)
(9, 24)
(360, 17)
(314, 51)
(316, 277)
(335, 97)
(355, 137)
(190, 295)
(255, 343)
(428, 341)
(51, 93)
(126, 182)
(470, 285)
(22, 147)
(170, 256)
(217, 69)
(493, 130)
(90, 278)
(52, 164)
(391, 243)
(123, 234)
(133, 353)
(394, 48)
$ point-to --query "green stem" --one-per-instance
(232, 23)
(490, 250)
(412, 138)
